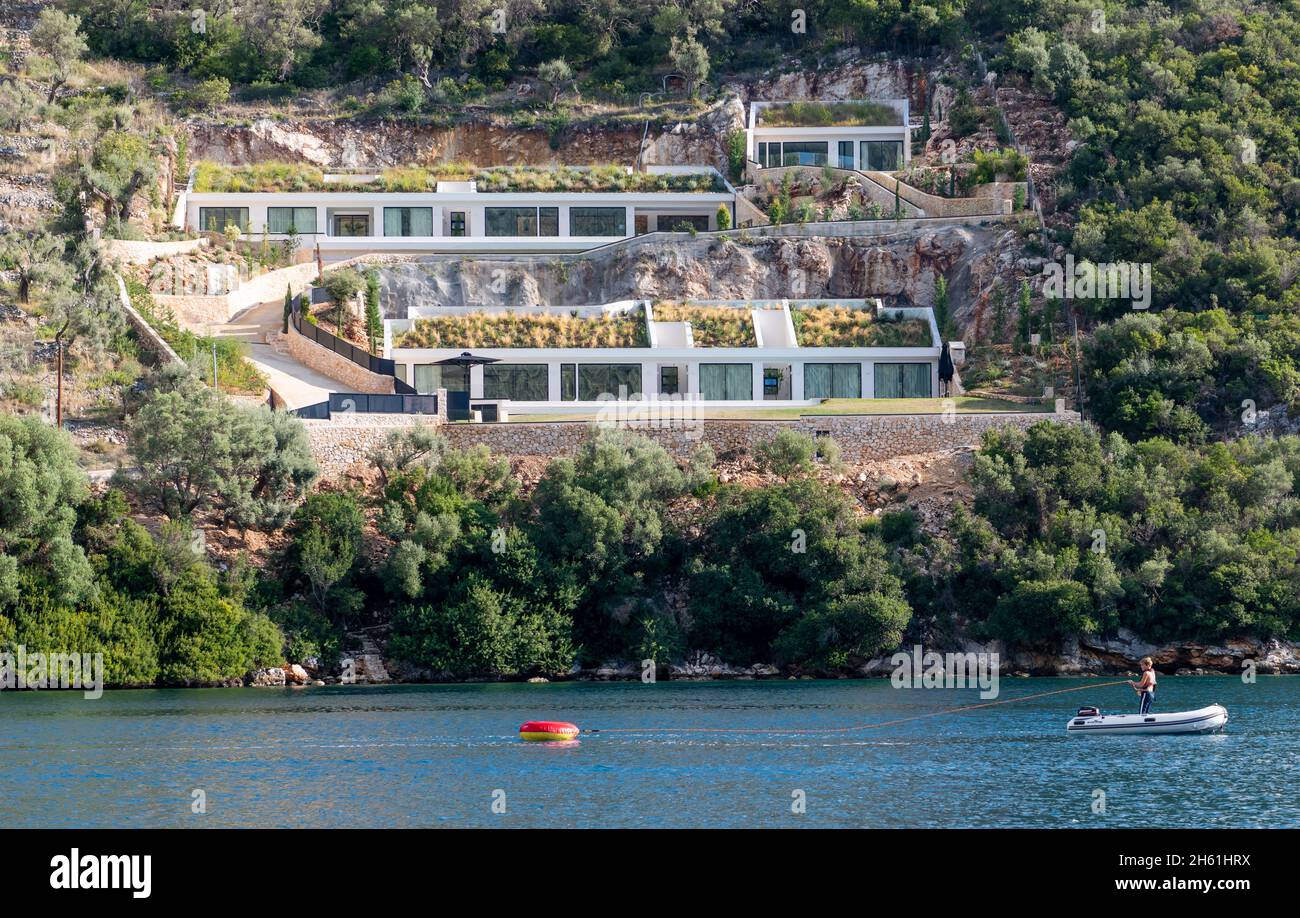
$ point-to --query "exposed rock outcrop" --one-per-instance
(900, 267)
(1119, 655)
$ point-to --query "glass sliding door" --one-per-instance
(810, 153)
(351, 225)
(832, 380)
(519, 382)
(408, 221)
(430, 377)
(881, 155)
(597, 221)
(617, 380)
(216, 219)
(287, 220)
(845, 154)
(511, 221)
(727, 382)
(903, 380)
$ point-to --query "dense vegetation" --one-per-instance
(77, 575)
(612, 45)
(1164, 520)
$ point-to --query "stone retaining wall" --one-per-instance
(195, 311)
(936, 206)
(338, 444)
(148, 335)
(353, 377)
(139, 252)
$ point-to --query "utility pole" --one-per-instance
(58, 372)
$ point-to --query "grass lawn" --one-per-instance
(964, 405)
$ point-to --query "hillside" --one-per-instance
(1165, 140)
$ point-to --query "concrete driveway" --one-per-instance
(296, 384)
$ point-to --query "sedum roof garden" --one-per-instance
(217, 178)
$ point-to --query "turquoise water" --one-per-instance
(415, 756)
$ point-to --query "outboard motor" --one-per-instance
(1088, 711)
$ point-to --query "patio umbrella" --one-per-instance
(945, 364)
(466, 359)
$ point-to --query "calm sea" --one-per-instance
(449, 756)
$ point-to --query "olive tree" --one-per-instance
(55, 36)
(41, 487)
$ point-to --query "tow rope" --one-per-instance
(886, 723)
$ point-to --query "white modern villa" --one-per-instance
(867, 136)
(450, 209)
(710, 353)
(497, 210)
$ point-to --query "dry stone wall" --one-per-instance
(340, 443)
(353, 377)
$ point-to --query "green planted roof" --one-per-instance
(212, 177)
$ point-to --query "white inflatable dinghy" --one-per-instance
(1203, 720)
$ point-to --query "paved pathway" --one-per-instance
(298, 385)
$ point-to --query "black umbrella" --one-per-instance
(945, 364)
(466, 359)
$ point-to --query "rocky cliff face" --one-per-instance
(848, 79)
(375, 144)
(899, 267)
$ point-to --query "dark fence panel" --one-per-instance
(368, 403)
(317, 412)
(358, 355)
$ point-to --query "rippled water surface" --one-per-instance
(441, 755)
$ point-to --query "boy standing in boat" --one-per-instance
(1146, 686)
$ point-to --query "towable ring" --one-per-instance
(542, 731)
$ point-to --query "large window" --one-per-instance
(809, 153)
(519, 382)
(846, 154)
(882, 155)
(597, 221)
(522, 221)
(511, 221)
(286, 220)
(902, 380)
(684, 223)
(430, 377)
(726, 382)
(408, 221)
(351, 225)
(832, 380)
(619, 380)
(216, 219)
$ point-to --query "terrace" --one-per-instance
(830, 114)
(526, 330)
(844, 325)
(711, 326)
